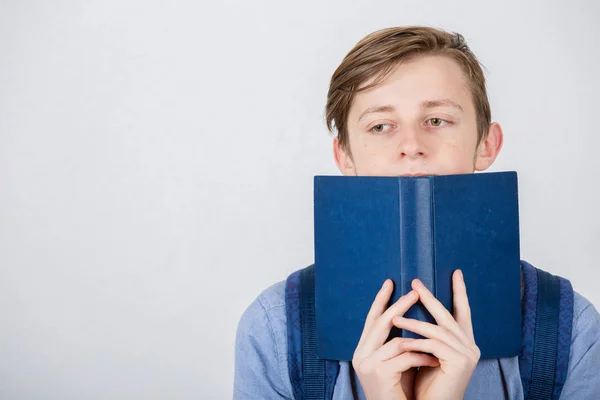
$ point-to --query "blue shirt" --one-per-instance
(261, 364)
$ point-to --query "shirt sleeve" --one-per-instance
(583, 379)
(258, 371)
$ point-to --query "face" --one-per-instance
(419, 121)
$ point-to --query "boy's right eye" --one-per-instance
(379, 128)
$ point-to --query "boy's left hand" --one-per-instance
(451, 341)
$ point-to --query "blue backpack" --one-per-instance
(543, 363)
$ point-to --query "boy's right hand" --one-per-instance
(385, 370)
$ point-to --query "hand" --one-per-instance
(451, 341)
(386, 371)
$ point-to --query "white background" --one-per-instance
(156, 166)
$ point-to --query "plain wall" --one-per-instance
(156, 166)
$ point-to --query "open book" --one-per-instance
(368, 229)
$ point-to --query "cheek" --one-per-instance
(365, 152)
(372, 158)
(457, 157)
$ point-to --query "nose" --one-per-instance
(411, 145)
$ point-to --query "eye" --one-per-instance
(436, 121)
(379, 128)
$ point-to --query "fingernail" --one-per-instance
(386, 283)
(411, 295)
(418, 284)
(459, 274)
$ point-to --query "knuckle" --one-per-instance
(464, 361)
(356, 357)
(444, 331)
(398, 343)
(357, 361)
(370, 369)
(367, 368)
(358, 366)
(470, 359)
(476, 353)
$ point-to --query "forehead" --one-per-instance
(416, 81)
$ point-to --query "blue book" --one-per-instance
(368, 229)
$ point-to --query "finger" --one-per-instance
(380, 329)
(378, 307)
(391, 349)
(441, 315)
(439, 349)
(462, 309)
(430, 331)
(407, 360)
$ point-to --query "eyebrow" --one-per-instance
(425, 104)
(441, 103)
(376, 109)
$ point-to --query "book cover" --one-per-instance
(368, 229)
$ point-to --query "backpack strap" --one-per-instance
(547, 328)
(312, 378)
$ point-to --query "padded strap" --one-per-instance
(294, 332)
(547, 328)
(312, 378)
(313, 368)
(546, 337)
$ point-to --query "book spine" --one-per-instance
(416, 242)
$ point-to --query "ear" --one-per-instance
(343, 158)
(488, 150)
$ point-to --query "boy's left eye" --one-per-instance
(436, 121)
